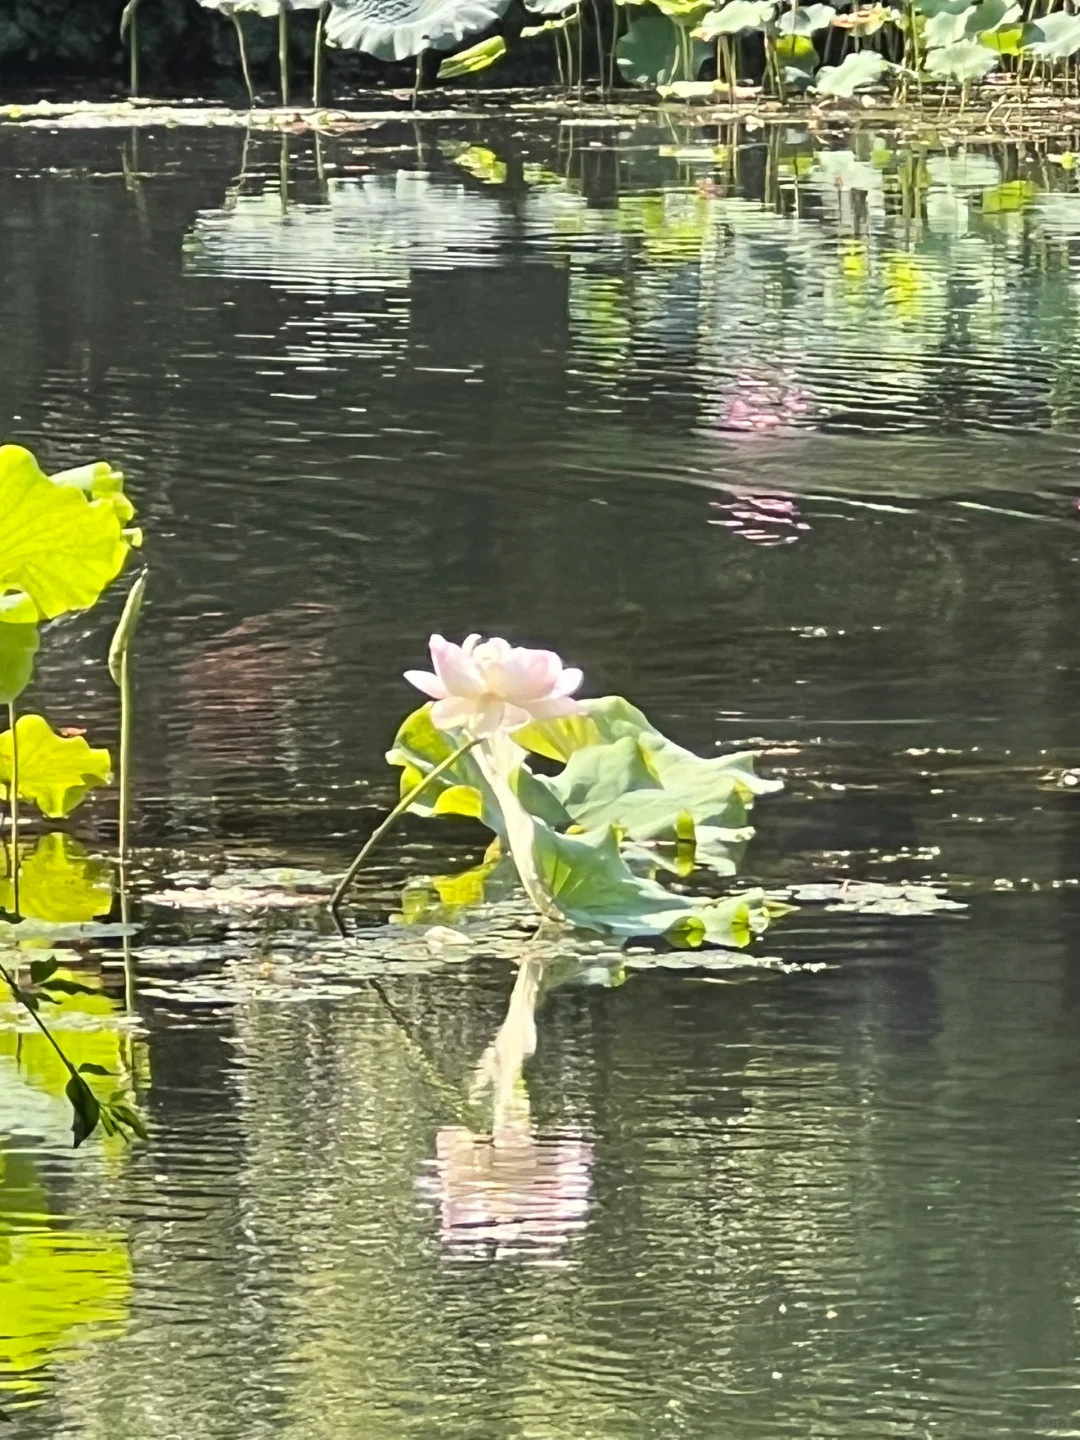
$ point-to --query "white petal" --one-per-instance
(452, 713)
(454, 668)
(556, 708)
(487, 717)
(514, 717)
(430, 684)
(568, 682)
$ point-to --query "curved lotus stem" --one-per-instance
(381, 829)
(14, 792)
(129, 27)
(235, 18)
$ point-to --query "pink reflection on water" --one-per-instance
(763, 519)
(514, 1195)
(756, 403)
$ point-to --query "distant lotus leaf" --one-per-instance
(475, 58)
(947, 27)
(1053, 37)
(734, 17)
(868, 20)
(965, 61)
(805, 19)
(684, 10)
(56, 545)
(18, 646)
(992, 15)
(863, 67)
(268, 9)
(693, 90)
(397, 29)
(799, 58)
(54, 773)
(1006, 41)
(650, 53)
(595, 889)
(929, 8)
(60, 882)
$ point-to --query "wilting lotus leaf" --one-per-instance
(58, 882)
(54, 773)
(475, 58)
(650, 53)
(965, 61)
(396, 29)
(863, 67)
(56, 545)
(805, 19)
(18, 646)
(735, 17)
(595, 889)
(1053, 37)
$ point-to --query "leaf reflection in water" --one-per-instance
(510, 1192)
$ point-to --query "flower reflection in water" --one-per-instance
(510, 1192)
(762, 519)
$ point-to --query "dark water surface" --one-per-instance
(783, 443)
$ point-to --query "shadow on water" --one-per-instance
(780, 440)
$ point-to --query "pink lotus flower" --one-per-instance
(486, 686)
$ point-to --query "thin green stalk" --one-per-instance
(12, 720)
(320, 30)
(580, 54)
(119, 669)
(419, 77)
(133, 54)
(283, 52)
(12, 983)
(235, 18)
(557, 42)
(381, 829)
(599, 42)
(616, 25)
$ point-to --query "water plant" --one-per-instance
(587, 842)
(66, 537)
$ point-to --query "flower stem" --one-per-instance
(12, 721)
(381, 829)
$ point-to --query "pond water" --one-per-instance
(779, 439)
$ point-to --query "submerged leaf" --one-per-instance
(56, 546)
(54, 773)
(398, 29)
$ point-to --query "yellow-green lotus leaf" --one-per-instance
(100, 482)
(58, 882)
(56, 545)
(54, 773)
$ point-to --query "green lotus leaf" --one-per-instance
(460, 790)
(805, 19)
(54, 773)
(1053, 37)
(930, 8)
(1006, 41)
(16, 608)
(947, 27)
(965, 61)
(595, 889)
(799, 58)
(735, 17)
(398, 29)
(99, 481)
(606, 719)
(650, 53)
(58, 882)
(861, 68)
(18, 646)
(683, 10)
(475, 58)
(56, 546)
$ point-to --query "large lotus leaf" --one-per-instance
(56, 546)
(930, 8)
(475, 58)
(992, 15)
(18, 646)
(99, 481)
(396, 29)
(965, 61)
(54, 773)
(595, 889)
(735, 17)
(1053, 37)
(58, 882)
(650, 52)
(805, 19)
(862, 67)
(947, 27)
(462, 789)
(653, 790)
(606, 719)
